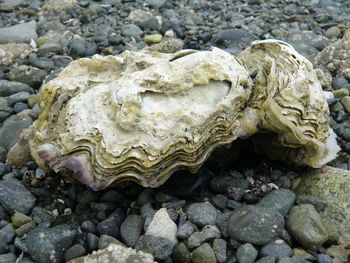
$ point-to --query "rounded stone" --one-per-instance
(346, 103)
(202, 214)
(181, 254)
(278, 249)
(246, 253)
(131, 30)
(153, 39)
(333, 31)
(131, 229)
(203, 254)
(305, 225)
(159, 247)
(281, 199)
(74, 251)
(254, 224)
(338, 83)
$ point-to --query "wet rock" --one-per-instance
(92, 241)
(254, 224)
(20, 33)
(131, 229)
(246, 253)
(305, 225)
(15, 197)
(277, 249)
(28, 74)
(281, 199)
(159, 247)
(197, 238)
(115, 254)
(8, 88)
(111, 225)
(181, 254)
(74, 251)
(203, 254)
(49, 244)
(201, 214)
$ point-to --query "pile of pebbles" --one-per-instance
(242, 213)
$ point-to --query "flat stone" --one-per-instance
(254, 224)
(15, 197)
(305, 225)
(131, 229)
(20, 33)
(8, 88)
(202, 214)
(49, 244)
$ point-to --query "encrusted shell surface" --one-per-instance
(142, 115)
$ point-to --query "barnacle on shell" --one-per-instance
(142, 115)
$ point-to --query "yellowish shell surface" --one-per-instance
(142, 115)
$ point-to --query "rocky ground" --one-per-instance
(251, 210)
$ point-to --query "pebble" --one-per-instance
(254, 224)
(203, 254)
(27, 74)
(131, 30)
(268, 259)
(49, 244)
(219, 201)
(15, 197)
(305, 225)
(49, 49)
(19, 219)
(281, 199)
(146, 196)
(25, 228)
(246, 253)
(8, 88)
(20, 33)
(7, 233)
(81, 47)
(323, 258)
(219, 247)
(18, 97)
(153, 39)
(106, 240)
(197, 238)
(340, 93)
(111, 225)
(318, 203)
(201, 214)
(74, 251)
(131, 229)
(185, 230)
(159, 247)
(277, 249)
(346, 103)
(181, 254)
(339, 83)
(92, 241)
(333, 32)
(162, 226)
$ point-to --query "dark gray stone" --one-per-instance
(92, 241)
(49, 49)
(254, 224)
(74, 251)
(20, 106)
(281, 199)
(339, 83)
(131, 229)
(219, 184)
(203, 254)
(277, 249)
(181, 254)
(88, 226)
(81, 47)
(185, 230)
(246, 253)
(131, 30)
(268, 259)
(8, 88)
(20, 33)
(219, 201)
(27, 74)
(49, 244)
(7, 233)
(202, 214)
(111, 225)
(105, 240)
(159, 247)
(219, 247)
(15, 197)
(222, 222)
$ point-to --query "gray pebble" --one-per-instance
(323, 258)
(28, 74)
(339, 83)
(21, 245)
(197, 238)
(281, 199)
(131, 30)
(203, 254)
(185, 230)
(278, 249)
(201, 214)
(105, 240)
(268, 259)
(8, 88)
(92, 241)
(111, 225)
(246, 253)
(74, 251)
(8, 258)
(20, 106)
(15, 197)
(20, 33)
(219, 247)
(131, 229)
(159, 247)
(7, 233)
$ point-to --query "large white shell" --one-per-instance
(142, 115)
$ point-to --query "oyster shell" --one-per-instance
(142, 115)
